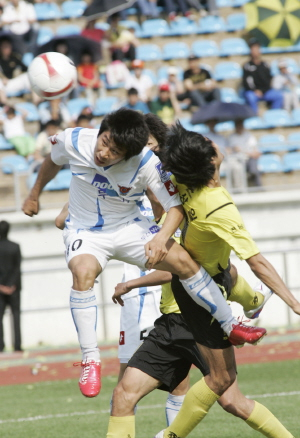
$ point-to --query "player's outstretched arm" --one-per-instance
(47, 172)
(268, 275)
(153, 279)
(156, 250)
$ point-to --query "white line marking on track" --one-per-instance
(106, 411)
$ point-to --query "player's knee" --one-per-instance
(185, 265)
(82, 273)
(223, 382)
(123, 398)
(227, 403)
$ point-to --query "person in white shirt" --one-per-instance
(18, 17)
(14, 131)
(140, 81)
(286, 82)
(111, 170)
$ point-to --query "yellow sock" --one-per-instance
(121, 427)
(262, 420)
(196, 404)
(243, 294)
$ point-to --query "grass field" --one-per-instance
(58, 410)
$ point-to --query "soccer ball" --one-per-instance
(52, 75)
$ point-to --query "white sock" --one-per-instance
(173, 405)
(204, 291)
(84, 311)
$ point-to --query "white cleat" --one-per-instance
(267, 293)
(160, 434)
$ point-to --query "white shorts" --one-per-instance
(137, 319)
(126, 243)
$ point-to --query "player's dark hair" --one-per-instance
(11, 110)
(52, 122)
(4, 229)
(188, 156)
(132, 92)
(158, 129)
(83, 118)
(128, 130)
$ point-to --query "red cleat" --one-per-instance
(90, 378)
(241, 334)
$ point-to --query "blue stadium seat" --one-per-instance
(148, 52)
(224, 3)
(47, 11)
(102, 25)
(230, 95)
(200, 128)
(183, 26)
(239, 3)
(176, 50)
(225, 126)
(75, 106)
(61, 181)
(291, 161)
(292, 66)
(296, 116)
(227, 70)
(73, 9)
(205, 48)
(130, 24)
(5, 145)
(162, 73)
(14, 163)
(45, 34)
(155, 27)
(27, 58)
(211, 24)
(236, 22)
(233, 47)
(68, 29)
(131, 11)
(270, 163)
(254, 123)
(105, 105)
(151, 74)
(31, 109)
(294, 141)
(277, 117)
(272, 143)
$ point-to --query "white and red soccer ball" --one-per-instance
(52, 75)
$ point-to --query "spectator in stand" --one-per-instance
(18, 17)
(176, 85)
(139, 80)
(134, 103)
(148, 8)
(257, 80)
(89, 78)
(200, 87)
(165, 105)
(84, 121)
(286, 82)
(172, 6)
(42, 144)
(90, 31)
(54, 110)
(243, 156)
(14, 131)
(219, 139)
(204, 6)
(10, 284)
(122, 40)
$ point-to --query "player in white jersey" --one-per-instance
(111, 170)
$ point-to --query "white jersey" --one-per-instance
(103, 197)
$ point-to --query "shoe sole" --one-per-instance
(258, 312)
(260, 339)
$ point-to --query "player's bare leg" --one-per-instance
(85, 269)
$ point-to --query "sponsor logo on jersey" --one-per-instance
(164, 176)
(155, 229)
(172, 190)
(104, 186)
(53, 139)
(122, 338)
(124, 190)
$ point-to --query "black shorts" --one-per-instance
(206, 330)
(168, 352)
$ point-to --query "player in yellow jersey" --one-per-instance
(164, 360)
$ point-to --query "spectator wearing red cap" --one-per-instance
(140, 81)
(165, 105)
(200, 87)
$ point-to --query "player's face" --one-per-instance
(152, 144)
(106, 152)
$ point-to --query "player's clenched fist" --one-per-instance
(30, 207)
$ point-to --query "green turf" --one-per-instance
(89, 417)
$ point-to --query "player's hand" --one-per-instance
(31, 206)
(7, 290)
(120, 289)
(155, 251)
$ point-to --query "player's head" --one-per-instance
(158, 132)
(191, 157)
(122, 135)
(4, 229)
